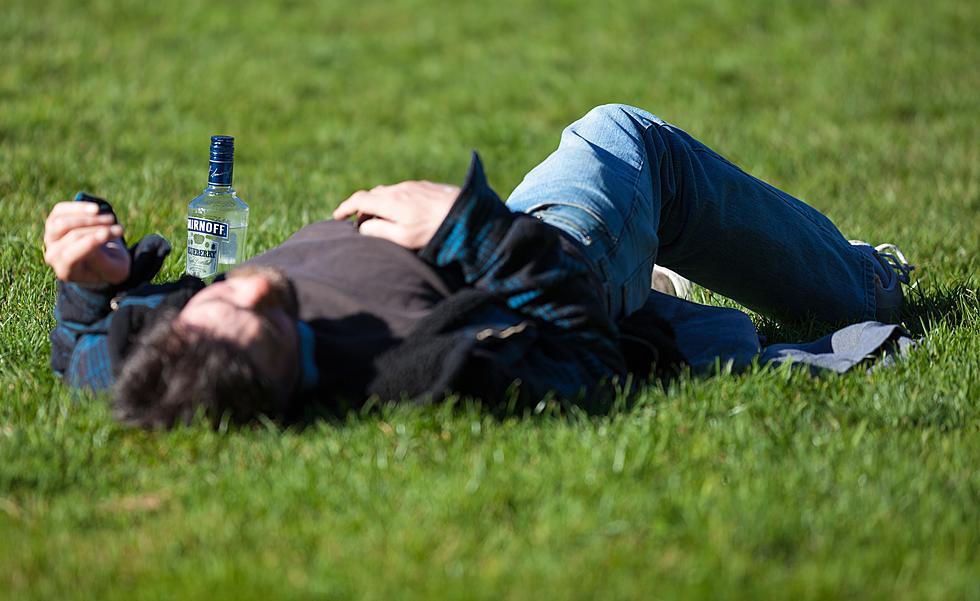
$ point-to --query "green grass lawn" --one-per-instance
(759, 486)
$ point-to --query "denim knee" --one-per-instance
(621, 130)
(623, 115)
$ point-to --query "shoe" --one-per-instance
(894, 270)
(670, 282)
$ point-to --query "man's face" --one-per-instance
(254, 309)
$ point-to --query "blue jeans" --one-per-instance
(634, 190)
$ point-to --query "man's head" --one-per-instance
(232, 349)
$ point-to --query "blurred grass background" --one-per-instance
(766, 485)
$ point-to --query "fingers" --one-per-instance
(70, 207)
(66, 209)
(65, 216)
(380, 228)
(347, 208)
(102, 233)
(408, 213)
(65, 254)
(58, 226)
(393, 202)
(378, 202)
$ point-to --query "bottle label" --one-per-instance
(220, 172)
(203, 239)
(217, 229)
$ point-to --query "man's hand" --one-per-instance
(83, 246)
(407, 214)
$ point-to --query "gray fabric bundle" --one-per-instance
(709, 336)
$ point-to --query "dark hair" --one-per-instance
(174, 372)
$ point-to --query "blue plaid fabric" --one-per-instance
(80, 339)
(543, 278)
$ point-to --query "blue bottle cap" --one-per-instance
(222, 148)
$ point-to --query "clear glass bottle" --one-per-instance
(217, 220)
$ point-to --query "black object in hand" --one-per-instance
(104, 207)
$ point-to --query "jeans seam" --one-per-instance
(636, 179)
(643, 162)
(633, 273)
(761, 184)
(626, 221)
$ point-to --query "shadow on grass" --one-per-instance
(925, 310)
(774, 332)
(939, 305)
(949, 305)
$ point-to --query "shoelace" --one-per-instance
(896, 260)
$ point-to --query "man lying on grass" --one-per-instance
(437, 289)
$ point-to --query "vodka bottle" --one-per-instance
(217, 220)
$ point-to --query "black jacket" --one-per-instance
(525, 307)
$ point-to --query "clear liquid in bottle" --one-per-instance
(217, 220)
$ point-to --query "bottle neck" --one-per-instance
(213, 189)
(219, 174)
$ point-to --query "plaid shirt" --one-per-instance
(80, 338)
(548, 287)
(546, 282)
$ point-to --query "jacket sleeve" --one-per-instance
(83, 315)
(79, 345)
(540, 275)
